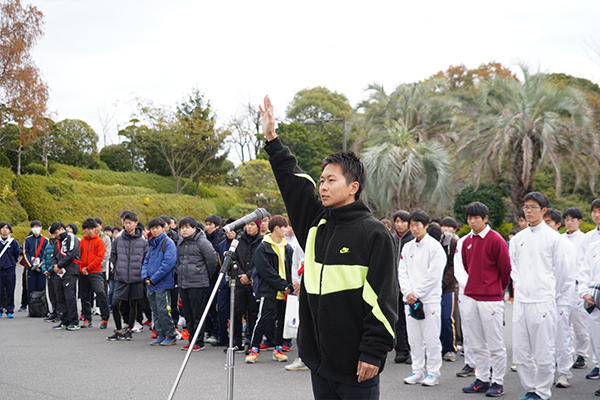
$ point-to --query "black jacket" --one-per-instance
(244, 254)
(196, 261)
(449, 282)
(266, 280)
(349, 290)
(66, 253)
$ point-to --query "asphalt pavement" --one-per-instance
(37, 362)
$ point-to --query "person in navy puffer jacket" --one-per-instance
(157, 273)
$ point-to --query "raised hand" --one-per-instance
(268, 120)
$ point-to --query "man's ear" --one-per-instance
(354, 188)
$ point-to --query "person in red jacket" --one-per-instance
(90, 278)
(487, 263)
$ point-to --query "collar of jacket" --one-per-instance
(94, 237)
(251, 239)
(348, 213)
(193, 237)
(156, 241)
(136, 234)
(63, 235)
(270, 240)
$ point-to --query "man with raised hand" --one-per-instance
(349, 291)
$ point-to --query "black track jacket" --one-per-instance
(349, 290)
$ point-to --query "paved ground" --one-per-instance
(37, 362)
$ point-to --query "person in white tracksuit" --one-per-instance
(537, 265)
(589, 278)
(580, 319)
(420, 272)
(564, 305)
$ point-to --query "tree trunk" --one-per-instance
(45, 154)
(19, 152)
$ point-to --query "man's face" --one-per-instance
(448, 229)
(98, 229)
(173, 225)
(4, 232)
(418, 229)
(572, 224)
(129, 226)
(476, 223)
(89, 232)
(69, 229)
(333, 188)
(186, 231)
(210, 227)
(230, 235)
(251, 228)
(596, 216)
(401, 226)
(534, 214)
(523, 223)
(157, 230)
(551, 223)
(264, 225)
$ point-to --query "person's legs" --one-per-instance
(251, 313)
(491, 320)
(543, 332)
(241, 304)
(564, 356)
(415, 340)
(222, 311)
(448, 331)
(199, 298)
(401, 347)
(280, 322)
(69, 283)
(96, 282)
(24, 288)
(473, 324)
(467, 349)
(51, 296)
(431, 337)
(162, 318)
(116, 307)
(84, 293)
(323, 389)
(9, 278)
(61, 307)
(580, 321)
(266, 313)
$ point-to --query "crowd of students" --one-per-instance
(452, 290)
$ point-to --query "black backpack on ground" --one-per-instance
(38, 307)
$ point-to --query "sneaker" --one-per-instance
(127, 335)
(252, 356)
(401, 357)
(197, 347)
(597, 393)
(153, 333)
(96, 311)
(265, 346)
(159, 340)
(147, 322)
(22, 308)
(211, 340)
(430, 380)
(466, 371)
(115, 336)
(449, 356)
(236, 349)
(49, 318)
(82, 317)
(278, 355)
(579, 363)
(296, 365)
(87, 324)
(513, 368)
(496, 390)
(528, 396)
(103, 324)
(285, 348)
(594, 374)
(181, 322)
(170, 341)
(137, 327)
(59, 326)
(562, 382)
(10, 315)
(477, 387)
(414, 378)
(72, 327)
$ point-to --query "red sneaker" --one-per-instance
(147, 322)
(265, 346)
(103, 324)
(186, 347)
(285, 348)
(153, 333)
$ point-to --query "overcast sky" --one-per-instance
(98, 57)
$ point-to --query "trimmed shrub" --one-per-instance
(489, 195)
(35, 168)
(4, 161)
(10, 209)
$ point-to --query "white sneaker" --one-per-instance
(562, 382)
(296, 365)
(413, 379)
(181, 322)
(137, 327)
(449, 356)
(513, 368)
(430, 380)
(96, 311)
(211, 340)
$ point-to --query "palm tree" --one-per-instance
(403, 172)
(525, 124)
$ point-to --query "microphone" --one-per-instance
(228, 259)
(255, 215)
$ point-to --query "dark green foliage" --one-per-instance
(116, 157)
(489, 195)
(10, 209)
(309, 148)
(35, 168)
(4, 161)
(73, 142)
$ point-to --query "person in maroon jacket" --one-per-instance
(487, 262)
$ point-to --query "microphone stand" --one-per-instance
(229, 268)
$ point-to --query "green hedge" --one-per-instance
(10, 209)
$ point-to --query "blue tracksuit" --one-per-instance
(8, 262)
(35, 281)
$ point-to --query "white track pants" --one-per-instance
(564, 357)
(534, 338)
(595, 334)
(580, 321)
(424, 338)
(485, 320)
(469, 360)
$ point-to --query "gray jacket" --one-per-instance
(127, 255)
(196, 261)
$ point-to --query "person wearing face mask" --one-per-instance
(33, 249)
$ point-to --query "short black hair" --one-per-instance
(173, 220)
(215, 219)
(36, 222)
(277, 220)
(156, 222)
(521, 213)
(477, 209)
(419, 216)
(107, 228)
(188, 221)
(74, 228)
(434, 231)
(595, 204)
(554, 215)
(130, 216)
(116, 229)
(539, 198)
(89, 223)
(513, 232)
(449, 221)
(125, 212)
(352, 168)
(436, 221)
(402, 214)
(573, 212)
(3, 224)
(56, 226)
(98, 221)
(166, 218)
